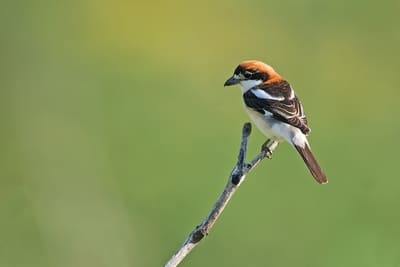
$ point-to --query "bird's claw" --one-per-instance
(266, 150)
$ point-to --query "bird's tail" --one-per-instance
(312, 164)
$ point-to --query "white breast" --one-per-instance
(264, 123)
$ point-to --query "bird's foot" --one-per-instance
(266, 150)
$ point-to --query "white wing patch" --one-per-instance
(264, 95)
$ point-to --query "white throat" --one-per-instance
(246, 85)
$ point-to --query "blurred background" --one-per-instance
(117, 134)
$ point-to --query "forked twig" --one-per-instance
(236, 178)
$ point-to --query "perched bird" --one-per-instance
(275, 109)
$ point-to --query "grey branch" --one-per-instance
(236, 178)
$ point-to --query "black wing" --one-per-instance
(283, 104)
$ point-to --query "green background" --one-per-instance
(117, 134)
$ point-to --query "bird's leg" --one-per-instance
(265, 148)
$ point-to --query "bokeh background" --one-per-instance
(117, 134)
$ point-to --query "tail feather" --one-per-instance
(312, 163)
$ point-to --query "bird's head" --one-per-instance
(251, 73)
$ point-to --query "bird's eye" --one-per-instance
(247, 74)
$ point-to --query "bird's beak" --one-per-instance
(232, 81)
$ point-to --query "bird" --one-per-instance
(274, 107)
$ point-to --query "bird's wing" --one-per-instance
(280, 100)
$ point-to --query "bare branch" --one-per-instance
(236, 178)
